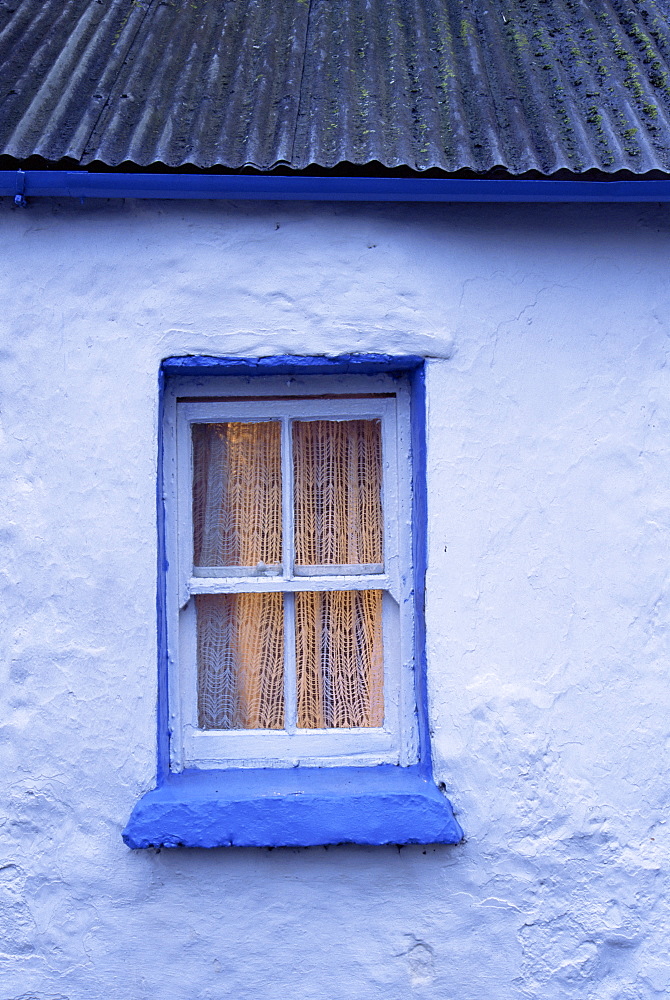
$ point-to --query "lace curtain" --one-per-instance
(237, 514)
(338, 510)
(240, 661)
(339, 659)
(237, 518)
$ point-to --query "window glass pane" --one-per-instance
(339, 660)
(237, 512)
(338, 482)
(240, 661)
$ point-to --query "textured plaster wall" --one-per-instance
(549, 441)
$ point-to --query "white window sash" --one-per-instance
(396, 741)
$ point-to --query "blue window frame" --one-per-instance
(301, 805)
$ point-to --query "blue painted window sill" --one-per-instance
(294, 807)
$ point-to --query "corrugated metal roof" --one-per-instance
(452, 84)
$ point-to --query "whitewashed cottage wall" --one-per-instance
(547, 330)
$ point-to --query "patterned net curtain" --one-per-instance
(237, 519)
(237, 513)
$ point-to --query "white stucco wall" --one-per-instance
(549, 438)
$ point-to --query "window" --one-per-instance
(290, 582)
(291, 535)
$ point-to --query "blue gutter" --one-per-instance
(81, 184)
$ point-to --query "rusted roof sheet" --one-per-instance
(451, 84)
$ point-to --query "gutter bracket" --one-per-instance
(19, 197)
